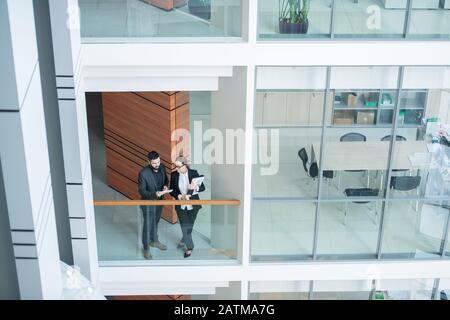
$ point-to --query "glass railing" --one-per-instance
(136, 20)
(365, 19)
(125, 228)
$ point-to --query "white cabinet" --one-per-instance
(274, 109)
(288, 108)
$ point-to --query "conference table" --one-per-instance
(372, 155)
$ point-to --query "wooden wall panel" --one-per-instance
(136, 123)
(139, 121)
(167, 4)
(125, 186)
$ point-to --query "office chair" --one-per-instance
(353, 136)
(361, 192)
(313, 170)
(350, 137)
(304, 157)
(406, 183)
(397, 138)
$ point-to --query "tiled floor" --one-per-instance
(285, 227)
(118, 228)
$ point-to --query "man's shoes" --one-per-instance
(158, 245)
(180, 245)
(187, 253)
(147, 254)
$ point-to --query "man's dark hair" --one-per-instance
(152, 155)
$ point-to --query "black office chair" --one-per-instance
(304, 157)
(353, 136)
(397, 138)
(313, 171)
(406, 183)
(350, 137)
(361, 192)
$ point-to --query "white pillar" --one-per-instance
(72, 109)
(24, 155)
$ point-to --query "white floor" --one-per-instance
(285, 227)
(135, 19)
(351, 19)
(119, 228)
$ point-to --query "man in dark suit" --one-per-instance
(152, 186)
(183, 189)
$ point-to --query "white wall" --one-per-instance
(291, 78)
(364, 77)
(228, 112)
(426, 78)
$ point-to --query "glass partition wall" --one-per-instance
(340, 186)
(137, 20)
(119, 229)
(352, 19)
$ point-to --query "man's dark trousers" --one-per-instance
(152, 215)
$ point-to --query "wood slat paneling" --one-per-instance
(134, 124)
(159, 98)
(181, 98)
(123, 165)
(122, 184)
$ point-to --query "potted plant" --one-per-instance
(293, 16)
(200, 8)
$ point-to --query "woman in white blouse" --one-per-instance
(183, 189)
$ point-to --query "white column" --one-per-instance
(228, 113)
(72, 109)
(24, 155)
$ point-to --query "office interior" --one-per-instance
(375, 197)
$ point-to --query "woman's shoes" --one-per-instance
(181, 245)
(187, 253)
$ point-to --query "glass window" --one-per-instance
(119, 232)
(430, 19)
(342, 290)
(421, 162)
(355, 158)
(287, 19)
(279, 290)
(443, 292)
(367, 19)
(288, 122)
(125, 20)
(413, 229)
(348, 230)
(282, 230)
(405, 289)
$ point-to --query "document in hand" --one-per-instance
(198, 182)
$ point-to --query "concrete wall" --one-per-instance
(8, 275)
(51, 111)
(24, 158)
